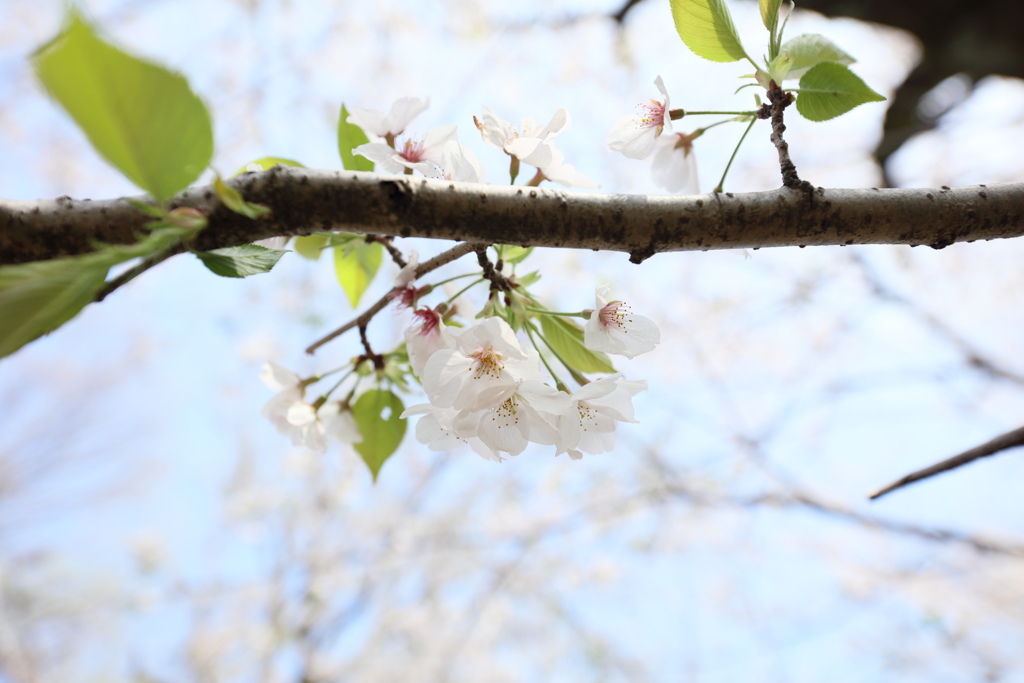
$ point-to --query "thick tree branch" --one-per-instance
(1011, 439)
(305, 201)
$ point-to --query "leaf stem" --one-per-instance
(137, 270)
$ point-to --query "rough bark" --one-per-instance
(305, 201)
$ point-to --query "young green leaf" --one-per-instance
(267, 163)
(148, 209)
(780, 66)
(230, 197)
(706, 28)
(310, 246)
(241, 261)
(349, 240)
(829, 90)
(351, 136)
(810, 49)
(513, 254)
(377, 414)
(356, 264)
(566, 339)
(39, 297)
(142, 118)
(770, 12)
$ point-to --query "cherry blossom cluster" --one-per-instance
(485, 386)
(439, 154)
(487, 390)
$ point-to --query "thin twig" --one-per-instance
(140, 268)
(386, 241)
(445, 257)
(1001, 443)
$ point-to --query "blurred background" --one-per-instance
(155, 528)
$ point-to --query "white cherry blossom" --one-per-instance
(614, 328)
(674, 166)
(532, 144)
(529, 412)
(289, 388)
(595, 410)
(436, 430)
(460, 164)
(339, 425)
(634, 136)
(425, 336)
(393, 123)
(426, 155)
(484, 358)
(300, 421)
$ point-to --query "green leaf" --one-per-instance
(310, 246)
(829, 90)
(377, 414)
(810, 49)
(351, 136)
(148, 209)
(267, 163)
(566, 338)
(706, 28)
(780, 66)
(142, 118)
(513, 254)
(348, 240)
(356, 265)
(530, 278)
(770, 12)
(230, 197)
(241, 261)
(39, 297)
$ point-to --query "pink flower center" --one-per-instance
(488, 363)
(615, 314)
(652, 115)
(412, 151)
(426, 321)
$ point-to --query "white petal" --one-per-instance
(372, 122)
(632, 138)
(278, 377)
(402, 113)
(674, 169)
(339, 425)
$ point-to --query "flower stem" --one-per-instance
(530, 329)
(680, 113)
(544, 311)
(453, 279)
(743, 137)
(465, 289)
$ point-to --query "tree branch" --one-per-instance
(305, 201)
(1001, 443)
(456, 252)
